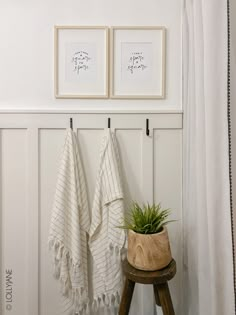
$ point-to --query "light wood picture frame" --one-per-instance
(138, 62)
(81, 57)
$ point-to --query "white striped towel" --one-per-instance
(106, 240)
(69, 224)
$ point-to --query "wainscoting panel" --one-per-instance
(31, 145)
(50, 146)
(14, 222)
(168, 191)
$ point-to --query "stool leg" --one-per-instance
(126, 297)
(165, 299)
(155, 288)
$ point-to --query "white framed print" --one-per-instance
(81, 61)
(138, 56)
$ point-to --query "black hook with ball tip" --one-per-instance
(109, 123)
(71, 123)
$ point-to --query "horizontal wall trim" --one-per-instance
(89, 111)
(92, 121)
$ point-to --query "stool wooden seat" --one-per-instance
(159, 279)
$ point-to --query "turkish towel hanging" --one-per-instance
(69, 227)
(105, 239)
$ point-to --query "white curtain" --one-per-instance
(208, 261)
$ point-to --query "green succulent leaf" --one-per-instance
(146, 219)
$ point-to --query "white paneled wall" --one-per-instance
(168, 189)
(30, 146)
(14, 215)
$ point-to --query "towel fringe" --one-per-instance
(62, 256)
(116, 249)
(106, 300)
(60, 251)
(80, 301)
(78, 307)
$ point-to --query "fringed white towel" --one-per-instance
(106, 240)
(69, 224)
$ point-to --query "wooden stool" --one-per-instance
(159, 280)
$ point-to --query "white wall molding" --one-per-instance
(30, 147)
(33, 219)
(90, 111)
(86, 120)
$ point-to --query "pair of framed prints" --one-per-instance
(127, 64)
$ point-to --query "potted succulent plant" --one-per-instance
(148, 241)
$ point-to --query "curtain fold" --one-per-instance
(208, 260)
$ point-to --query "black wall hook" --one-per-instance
(71, 123)
(147, 127)
(109, 122)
